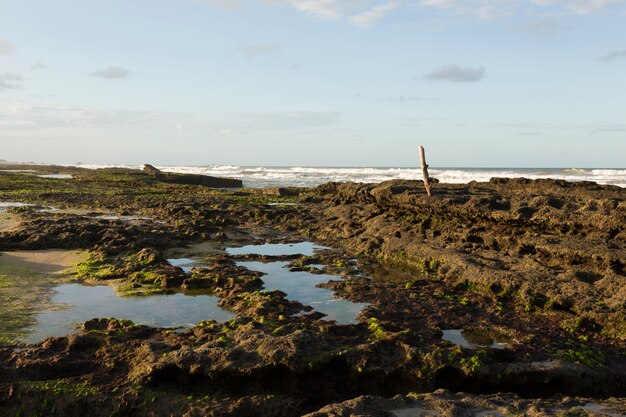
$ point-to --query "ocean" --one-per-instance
(262, 176)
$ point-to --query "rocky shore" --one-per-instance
(529, 273)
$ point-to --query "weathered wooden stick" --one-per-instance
(425, 170)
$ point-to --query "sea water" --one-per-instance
(262, 176)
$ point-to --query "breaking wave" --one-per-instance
(260, 176)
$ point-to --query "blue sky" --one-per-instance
(314, 82)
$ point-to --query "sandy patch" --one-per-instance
(8, 223)
(53, 261)
(76, 211)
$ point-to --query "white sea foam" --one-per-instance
(260, 176)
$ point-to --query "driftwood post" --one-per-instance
(425, 170)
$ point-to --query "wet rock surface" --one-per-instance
(540, 263)
(446, 404)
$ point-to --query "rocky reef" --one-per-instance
(528, 274)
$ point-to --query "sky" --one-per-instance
(484, 83)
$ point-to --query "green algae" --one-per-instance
(126, 289)
(581, 353)
(6, 281)
(24, 291)
(95, 267)
(64, 387)
(131, 274)
(417, 266)
(376, 329)
(52, 397)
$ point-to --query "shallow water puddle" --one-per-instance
(94, 213)
(599, 409)
(416, 412)
(474, 339)
(74, 211)
(56, 176)
(4, 205)
(276, 249)
(193, 255)
(123, 218)
(544, 364)
(186, 264)
(26, 282)
(36, 301)
(301, 286)
(74, 303)
(424, 412)
(298, 285)
(196, 251)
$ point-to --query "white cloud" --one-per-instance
(361, 11)
(323, 9)
(483, 9)
(409, 99)
(24, 117)
(6, 47)
(612, 56)
(358, 12)
(226, 4)
(455, 73)
(543, 27)
(489, 9)
(10, 81)
(38, 65)
(111, 73)
(608, 128)
(252, 51)
(373, 15)
(585, 128)
(367, 12)
(581, 6)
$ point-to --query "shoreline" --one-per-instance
(263, 177)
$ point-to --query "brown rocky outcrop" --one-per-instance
(192, 179)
